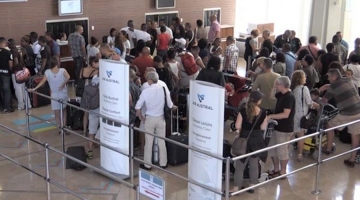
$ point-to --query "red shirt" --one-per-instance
(142, 63)
(163, 41)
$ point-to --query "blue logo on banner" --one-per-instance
(108, 73)
(201, 97)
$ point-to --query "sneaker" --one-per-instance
(89, 154)
(142, 166)
(8, 110)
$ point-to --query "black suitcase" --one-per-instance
(177, 155)
(35, 99)
(77, 152)
(75, 116)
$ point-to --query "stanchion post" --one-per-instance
(227, 178)
(27, 113)
(317, 191)
(137, 192)
(62, 125)
(131, 155)
(47, 171)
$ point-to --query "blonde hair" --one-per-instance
(296, 78)
(255, 32)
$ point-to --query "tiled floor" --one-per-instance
(337, 181)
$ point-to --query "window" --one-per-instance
(351, 22)
(166, 16)
(208, 12)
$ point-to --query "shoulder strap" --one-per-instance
(290, 55)
(257, 119)
(164, 97)
(302, 98)
(312, 53)
(347, 67)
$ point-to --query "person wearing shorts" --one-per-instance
(284, 114)
(347, 101)
(94, 121)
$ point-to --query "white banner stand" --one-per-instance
(114, 104)
(206, 132)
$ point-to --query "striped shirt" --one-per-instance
(346, 96)
(231, 53)
(76, 42)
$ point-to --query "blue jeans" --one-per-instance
(79, 64)
(5, 90)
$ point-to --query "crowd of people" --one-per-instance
(288, 79)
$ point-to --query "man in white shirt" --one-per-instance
(35, 46)
(154, 99)
(168, 30)
(142, 34)
(130, 30)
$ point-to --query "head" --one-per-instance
(62, 36)
(112, 32)
(354, 58)
(286, 47)
(202, 43)
(195, 50)
(213, 18)
(280, 57)
(187, 26)
(94, 41)
(293, 34)
(267, 63)
(254, 33)
(49, 36)
(307, 61)
(143, 27)
(180, 44)
(132, 75)
(42, 41)
(140, 45)
(315, 94)
(33, 37)
(124, 33)
(12, 44)
(339, 33)
(230, 40)
(357, 42)
(157, 61)
(217, 42)
(149, 69)
(336, 65)
(330, 47)
(214, 63)
(25, 41)
(104, 49)
(313, 40)
(154, 24)
(3, 42)
(287, 34)
(145, 51)
(349, 73)
(162, 22)
(333, 75)
(148, 24)
(131, 25)
(260, 62)
(266, 34)
(94, 62)
(79, 29)
(171, 53)
(321, 52)
(303, 53)
(298, 78)
(336, 39)
(176, 21)
(199, 23)
(282, 84)
(264, 52)
(162, 29)
(152, 77)
(254, 100)
(54, 62)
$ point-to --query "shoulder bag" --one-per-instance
(167, 110)
(308, 120)
(239, 144)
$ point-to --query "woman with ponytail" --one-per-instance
(251, 117)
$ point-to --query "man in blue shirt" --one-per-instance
(54, 46)
(290, 59)
(342, 42)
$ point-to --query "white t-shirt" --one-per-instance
(110, 40)
(174, 68)
(91, 51)
(356, 73)
(142, 35)
(127, 45)
(36, 47)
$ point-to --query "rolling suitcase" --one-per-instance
(176, 154)
(35, 99)
(77, 152)
(75, 116)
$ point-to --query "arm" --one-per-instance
(227, 60)
(42, 82)
(218, 52)
(83, 48)
(200, 63)
(67, 78)
(238, 122)
(255, 85)
(285, 114)
(264, 124)
(43, 64)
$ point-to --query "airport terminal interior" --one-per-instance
(336, 181)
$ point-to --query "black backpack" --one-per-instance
(77, 152)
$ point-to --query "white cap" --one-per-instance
(182, 41)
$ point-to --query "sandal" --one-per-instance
(327, 152)
(273, 174)
(299, 157)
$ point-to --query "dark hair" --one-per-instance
(230, 39)
(280, 57)
(50, 34)
(214, 63)
(119, 44)
(42, 39)
(195, 48)
(286, 47)
(112, 30)
(158, 59)
(202, 43)
(312, 39)
(162, 29)
(140, 45)
(335, 39)
(2, 40)
(93, 59)
(171, 53)
(336, 65)
(53, 61)
(125, 34)
(177, 20)
(264, 52)
(129, 22)
(330, 47)
(354, 58)
(309, 59)
(199, 23)
(321, 52)
(315, 92)
(61, 35)
(302, 54)
(12, 44)
(93, 40)
(33, 36)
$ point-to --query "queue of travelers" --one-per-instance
(287, 74)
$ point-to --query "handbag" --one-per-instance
(308, 120)
(167, 110)
(239, 145)
(22, 76)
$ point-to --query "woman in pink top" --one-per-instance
(163, 40)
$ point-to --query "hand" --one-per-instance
(61, 87)
(269, 117)
(142, 118)
(174, 108)
(324, 87)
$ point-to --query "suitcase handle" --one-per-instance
(172, 119)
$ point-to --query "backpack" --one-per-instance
(91, 96)
(189, 63)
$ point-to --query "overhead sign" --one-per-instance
(151, 186)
